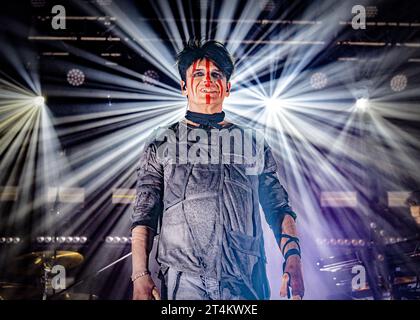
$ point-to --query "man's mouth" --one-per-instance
(205, 90)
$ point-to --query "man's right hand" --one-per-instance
(144, 289)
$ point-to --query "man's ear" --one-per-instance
(228, 86)
(183, 88)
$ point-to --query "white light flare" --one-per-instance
(39, 101)
(273, 104)
(362, 104)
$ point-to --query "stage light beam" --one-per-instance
(273, 104)
(39, 101)
(362, 104)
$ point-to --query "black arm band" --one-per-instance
(289, 253)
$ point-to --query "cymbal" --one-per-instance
(35, 261)
(75, 296)
(12, 285)
(20, 291)
(405, 280)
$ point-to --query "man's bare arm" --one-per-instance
(292, 276)
(141, 245)
(288, 227)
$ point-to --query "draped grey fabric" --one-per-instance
(207, 215)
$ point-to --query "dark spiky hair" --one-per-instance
(414, 198)
(213, 50)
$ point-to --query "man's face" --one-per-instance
(415, 212)
(206, 85)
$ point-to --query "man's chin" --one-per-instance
(203, 105)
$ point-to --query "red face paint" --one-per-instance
(220, 82)
(192, 75)
(208, 80)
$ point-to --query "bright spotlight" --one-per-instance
(398, 83)
(38, 3)
(272, 104)
(151, 77)
(319, 80)
(371, 11)
(362, 103)
(75, 77)
(39, 101)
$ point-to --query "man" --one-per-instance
(413, 202)
(206, 213)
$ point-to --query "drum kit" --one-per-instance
(392, 273)
(39, 266)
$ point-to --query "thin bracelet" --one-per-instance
(139, 275)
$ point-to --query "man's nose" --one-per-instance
(209, 80)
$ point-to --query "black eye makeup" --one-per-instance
(201, 73)
(217, 75)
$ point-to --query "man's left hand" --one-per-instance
(293, 278)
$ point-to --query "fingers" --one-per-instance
(294, 271)
(150, 293)
(144, 289)
(298, 288)
(142, 296)
(284, 285)
(155, 294)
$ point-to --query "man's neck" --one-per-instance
(223, 123)
(206, 109)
